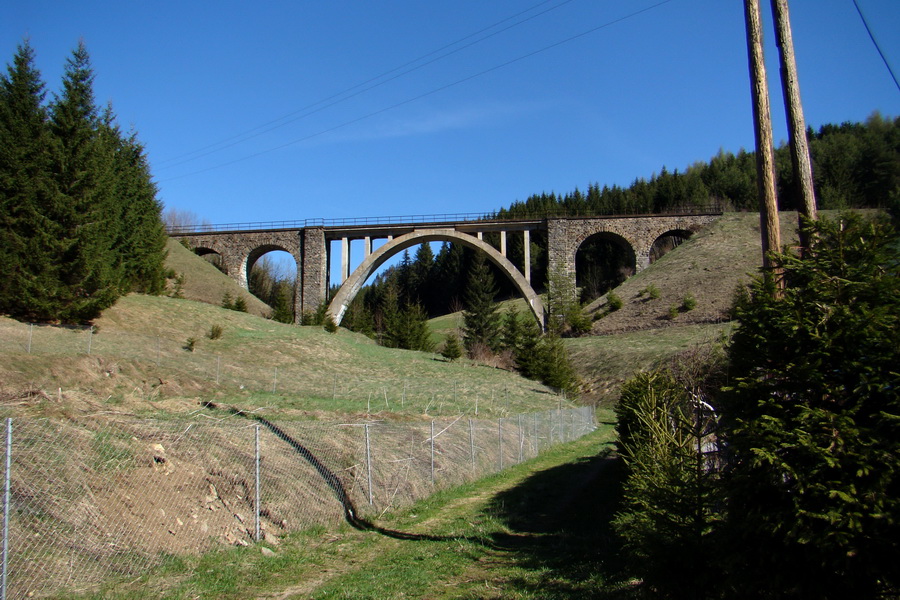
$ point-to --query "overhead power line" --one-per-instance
(875, 42)
(429, 93)
(359, 88)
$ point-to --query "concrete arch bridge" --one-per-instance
(240, 245)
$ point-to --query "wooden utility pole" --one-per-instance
(762, 127)
(796, 124)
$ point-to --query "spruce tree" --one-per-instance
(27, 233)
(528, 356)
(140, 237)
(512, 330)
(82, 163)
(481, 326)
(415, 334)
(811, 420)
(422, 279)
(80, 223)
(452, 348)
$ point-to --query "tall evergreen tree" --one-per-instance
(82, 163)
(80, 223)
(481, 326)
(27, 235)
(140, 238)
(421, 279)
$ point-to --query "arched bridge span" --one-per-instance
(370, 264)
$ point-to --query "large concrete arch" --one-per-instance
(354, 283)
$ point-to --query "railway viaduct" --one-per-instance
(240, 245)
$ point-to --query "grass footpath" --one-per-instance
(538, 530)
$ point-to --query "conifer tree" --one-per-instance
(527, 354)
(283, 311)
(512, 330)
(91, 276)
(421, 279)
(481, 326)
(452, 348)
(414, 331)
(811, 420)
(27, 236)
(141, 236)
(80, 221)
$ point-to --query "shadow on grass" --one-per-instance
(560, 522)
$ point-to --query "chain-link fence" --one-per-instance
(89, 501)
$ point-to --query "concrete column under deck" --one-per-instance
(503, 243)
(526, 235)
(345, 259)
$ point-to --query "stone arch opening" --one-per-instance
(602, 262)
(667, 242)
(351, 287)
(213, 257)
(272, 275)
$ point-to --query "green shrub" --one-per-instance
(329, 325)
(651, 291)
(688, 303)
(178, 289)
(669, 505)
(673, 312)
(579, 322)
(452, 347)
(215, 332)
(614, 302)
(190, 344)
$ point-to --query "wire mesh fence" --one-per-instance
(86, 502)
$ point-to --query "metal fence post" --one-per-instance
(257, 483)
(30, 334)
(432, 453)
(521, 438)
(472, 443)
(90, 339)
(368, 465)
(500, 440)
(6, 508)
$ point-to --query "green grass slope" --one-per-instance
(159, 355)
(205, 283)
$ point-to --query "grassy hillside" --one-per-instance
(205, 283)
(158, 355)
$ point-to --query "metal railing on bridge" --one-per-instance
(712, 208)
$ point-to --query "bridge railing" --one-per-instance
(703, 209)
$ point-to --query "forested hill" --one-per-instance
(855, 165)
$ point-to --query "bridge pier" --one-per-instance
(312, 285)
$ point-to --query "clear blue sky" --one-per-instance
(477, 123)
